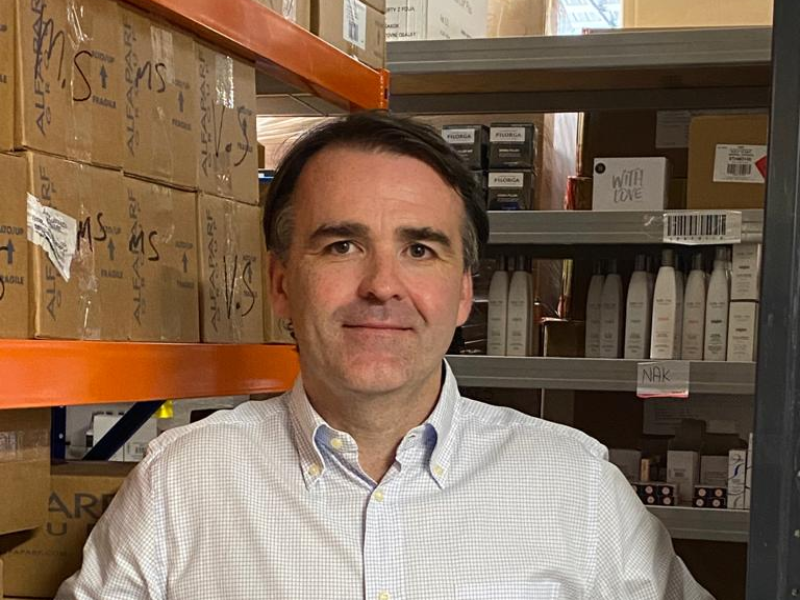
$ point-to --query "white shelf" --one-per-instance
(710, 524)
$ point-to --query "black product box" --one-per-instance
(710, 496)
(510, 190)
(656, 493)
(512, 146)
(470, 142)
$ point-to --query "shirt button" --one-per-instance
(438, 471)
(378, 496)
(313, 470)
(384, 596)
(337, 443)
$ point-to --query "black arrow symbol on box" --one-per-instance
(180, 100)
(185, 263)
(103, 76)
(111, 249)
(9, 249)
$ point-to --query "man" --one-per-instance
(373, 478)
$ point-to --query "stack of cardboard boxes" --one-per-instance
(354, 26)
(119, 132)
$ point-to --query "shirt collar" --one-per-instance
(440, 430)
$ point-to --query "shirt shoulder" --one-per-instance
(525, 429)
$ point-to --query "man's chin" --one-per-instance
(376, 375)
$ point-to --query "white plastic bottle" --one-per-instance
(694, 312)
(679, 293)
(498, 311)
(520, 312)
(715, 346)
(662, 337)
(611, 314)
(593, 308)
(638, 312)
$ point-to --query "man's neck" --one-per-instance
(378, 422)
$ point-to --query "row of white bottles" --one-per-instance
(662, 319)
(510, 320)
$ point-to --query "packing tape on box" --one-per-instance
(224, 81)
(55, 232)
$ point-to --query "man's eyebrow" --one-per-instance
(344, 229)
(425, 234)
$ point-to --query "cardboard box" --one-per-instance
(352, 26)
(14, 281)
(742, 331)
(746, 272)
(435, 19)
(70, 304)
(81, 492)
(24, 468)
(228, 162)
(727, 161)
(626, 134)
(510, 190)
(714, 471)
(512, 146)
(162, 288)
(71, 104)
(298, 11)
(161, 101)
(516, 18)
(471, 142)
(690, 13)
(683, 469)
(231, 280)
(630, 183)
(8, 75)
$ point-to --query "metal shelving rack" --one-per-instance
(667, 69)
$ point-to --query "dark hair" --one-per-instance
(382, 132)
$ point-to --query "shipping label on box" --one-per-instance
(7, 75)
(630, 183)
(14, 281)
(740, 164)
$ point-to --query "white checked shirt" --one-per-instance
(268, 502)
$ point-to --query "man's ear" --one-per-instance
(277, 286)
(465, 302)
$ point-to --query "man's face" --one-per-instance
(374, 282)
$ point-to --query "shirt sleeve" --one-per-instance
(120, 559)
(635, 557)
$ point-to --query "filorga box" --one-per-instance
(470, 142)
(512, 146)
(510, 190)
(630, 183)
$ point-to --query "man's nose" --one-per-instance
(382, 278)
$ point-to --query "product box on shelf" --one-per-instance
(746, 272)
(580, 190)
(512, 145)
(683, 469)
(435, 19)
(737, 465)
(690, 13)
(352, 26)
(161, 101)
(80, 492)
(231, 272)
(510, 190)
(630, 183)
(714, 471)
(67, 88)
(727, 161)
(710, 496)
(226, 127)
(14, 280)
(76, 233)
(742, 331)
(24, 468)
(298, 11)
(748, 479)
(563, 338)
(657, 493)
(470, 142)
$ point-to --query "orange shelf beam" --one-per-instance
(38, 373)
(279, 47)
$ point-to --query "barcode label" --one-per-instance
(355, 23)
(698, 228)
(740, 163)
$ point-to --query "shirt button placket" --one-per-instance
(382, 546)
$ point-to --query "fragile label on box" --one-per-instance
(55, 232)
(740, 163)
(663, 379)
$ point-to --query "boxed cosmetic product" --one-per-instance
(353, 26)
(226, 129)
(690, 13)
(435, 19)
(714, 471)
(727, 161)
(710, 496)
(627, 461)
(470, 142)
(80, 492)
(563, 338)
(748, 480)
(24, 468)
(742, 331)
(512, 146)
(630, 183)
(683, 469)
(656, 493)
(746, 272)
(510, 190)
(14, 280)
(737, 474)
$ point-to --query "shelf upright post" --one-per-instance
(774, 550)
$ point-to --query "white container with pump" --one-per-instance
(694, 312)
(593, 309)
(715, 347)
(638, 312)
(520, 311)
(679, 292)
(498, 311)
(662, 337)
(611, 314)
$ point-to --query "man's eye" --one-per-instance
(419, 251)
(341, 248)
